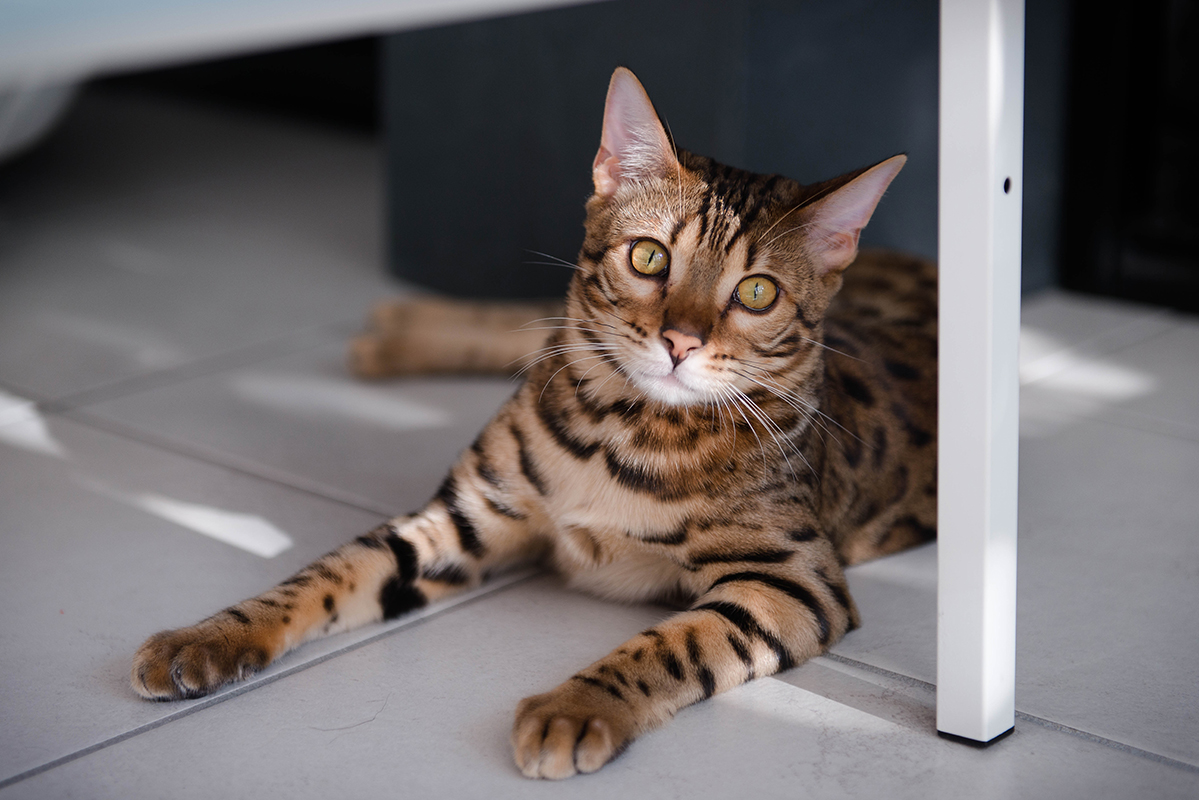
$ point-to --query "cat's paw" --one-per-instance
(569, 730)
(191, 662)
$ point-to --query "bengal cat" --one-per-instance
(705, 423)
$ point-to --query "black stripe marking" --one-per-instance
(856, 389)
(615, 673)
(405, 556)
(671, 662)
(592, 286)
(323, 571)
(674, 537)
(468, 537)
(838, 591)
(751, 253)
(642, 480)
(916, 435)
(328, 603)
(841, 343)
(749, 626)
(753, 556)
(607, 687)
(527, 467)
(742, 651)
(644, 687)
(399, 596)
(923, 532)
(452, 574)
(902, 371)
(797, 592)
(297, 580)
(503, 509)
(373, 540)
(695, 655)
(703, 214)
(593, 255)
(238, 615)
(487, 473)
(805, 534)
(678, 228)
(553, 424)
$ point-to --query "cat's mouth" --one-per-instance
(673, 387)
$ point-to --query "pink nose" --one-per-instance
(680, 345)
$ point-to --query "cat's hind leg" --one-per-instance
(428, 335)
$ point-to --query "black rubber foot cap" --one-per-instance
(974, 742)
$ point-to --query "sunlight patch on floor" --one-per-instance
(324, 398)
(23, 426)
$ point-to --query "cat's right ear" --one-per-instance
(634, 147)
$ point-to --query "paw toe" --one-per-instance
(186, 663)
(556, 738)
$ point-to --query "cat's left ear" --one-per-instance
(633, 147)
(834, 222)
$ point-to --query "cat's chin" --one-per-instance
(671, 390)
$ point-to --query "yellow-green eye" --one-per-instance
(648, 257)
(757, 292)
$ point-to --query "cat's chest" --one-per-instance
(604, 532)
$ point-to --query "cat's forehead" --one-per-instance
(708, 206)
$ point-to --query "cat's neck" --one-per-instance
(766, 424)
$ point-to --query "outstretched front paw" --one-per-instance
(191, 662)
(575, 728)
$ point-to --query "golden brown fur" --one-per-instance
(669, 440)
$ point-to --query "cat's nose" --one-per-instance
(680, 345)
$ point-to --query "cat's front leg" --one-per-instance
(750, 622)
(478, 521)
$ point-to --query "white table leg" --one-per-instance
(981, 149)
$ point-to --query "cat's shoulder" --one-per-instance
(889, 288)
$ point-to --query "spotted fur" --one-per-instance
(668, 441)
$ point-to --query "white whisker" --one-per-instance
(564, 366)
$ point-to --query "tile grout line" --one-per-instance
(1143, 423)
(1112, 743)
(230, 463)
(514, 579)
(288, 344)
(1024, 716)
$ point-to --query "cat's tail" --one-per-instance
(425, 335)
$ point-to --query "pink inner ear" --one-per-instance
(605, 172)
(837, 250)
(633, 146)
(837, 220)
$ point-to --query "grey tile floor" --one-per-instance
(177, 432)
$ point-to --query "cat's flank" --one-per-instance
(705, 423)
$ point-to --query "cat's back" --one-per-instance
(881, 393)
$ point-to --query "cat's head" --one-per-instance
(697, 279)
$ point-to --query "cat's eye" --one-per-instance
(648, 257)
(757, 292)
